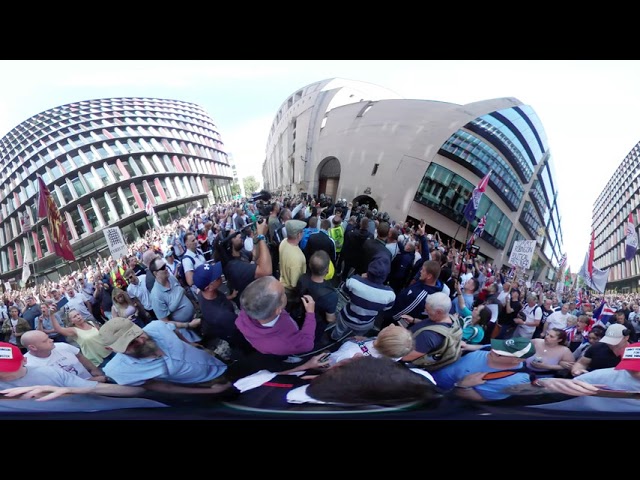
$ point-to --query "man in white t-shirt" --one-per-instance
(533, 312)
(78, 302)
(557, 319)
(43, 351)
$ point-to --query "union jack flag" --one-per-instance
(149, 208)
(480, 227)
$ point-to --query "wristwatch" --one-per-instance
(259, 237)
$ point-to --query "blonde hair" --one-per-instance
(394, 342)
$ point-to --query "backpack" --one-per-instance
(448, 352)
(180, 275)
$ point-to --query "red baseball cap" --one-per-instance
(10, 357)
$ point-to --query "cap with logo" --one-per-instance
(614, 334)
(630, 358)
(518, 347)
(10, 357)
(204, 274)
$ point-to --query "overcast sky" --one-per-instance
(589, 109)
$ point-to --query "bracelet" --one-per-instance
(259, 237)
(455, 385)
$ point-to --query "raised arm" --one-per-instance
(66, 331)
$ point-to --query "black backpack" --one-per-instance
(180, 276)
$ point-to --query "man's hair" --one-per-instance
(153, 266)
(433, 268)
(325, 224)
(394, 342)
(319, 263)
(383, 229)
(393, 234)
(128, 272)
(364, 223)
(371, 381)
(261, 299)
(313, 222)
(439, 301)
(187, 235)
(148, 256)
(485, 315)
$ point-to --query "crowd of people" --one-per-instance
(373, 311)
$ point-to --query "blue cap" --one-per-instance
(204, 274)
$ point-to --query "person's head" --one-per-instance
(620, 316)
(208, 276)
(511, 352)
(148, 256)
(368, 380)
(471, 285)
(55, 293)
(532, 298)
(565, 308)
(325, 224)
(481, 315)
(237, 242)
(44, 308)
(378, 269)
(430, 272)
(263, 299)
(75, 318)
(132, 261)
(30, 301)
(190, 241)
(313, 222)
(294, 229)
(383, 230)
(158, 269)
(319, 263)
(121, 335)
(169, 255)
(11, 360)
(410, 246)
(394, 341)
(364, 223)
(131, 276)
(555, 336)
(71, 292)
(119, 296)
(337, 220)
(437, 306)
(37, 343)
(596, 334)
(616, 335)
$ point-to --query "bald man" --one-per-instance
(43, 351)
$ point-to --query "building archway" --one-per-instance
(365, 199)
(329, 177)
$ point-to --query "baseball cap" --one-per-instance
(118, 333)
(630, 358)
(169, 252)
(518, 347)
(206, 273)
(10, 357)
(614, 334)
(294, 227)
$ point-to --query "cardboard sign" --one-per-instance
(115, 240)
(522, 253)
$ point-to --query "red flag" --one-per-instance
(47, 208)
(591, 253)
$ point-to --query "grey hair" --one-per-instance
(439, 301)
(261, 299)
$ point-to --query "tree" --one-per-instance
(251, 185)
(235, 189)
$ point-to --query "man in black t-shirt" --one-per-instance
(606, 353)
(322, 292)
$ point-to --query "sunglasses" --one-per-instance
(163, 267)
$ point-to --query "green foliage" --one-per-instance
(251, 185)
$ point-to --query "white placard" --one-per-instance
(522, 253)
(115, 240)
(7, 286)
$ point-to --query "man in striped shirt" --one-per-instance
(368, 296)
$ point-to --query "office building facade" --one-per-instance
(619, 198)
(420, 159)
(103, 160)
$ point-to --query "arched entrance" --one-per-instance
(329, 177)
(365, 200)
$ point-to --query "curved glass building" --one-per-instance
(421, 159)
(103, 160)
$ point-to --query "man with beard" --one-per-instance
(155, 353)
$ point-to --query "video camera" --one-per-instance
(262, 201)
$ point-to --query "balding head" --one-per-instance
(148, 256)
(36, 341)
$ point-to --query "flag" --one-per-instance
(26, 270)
(593, 277)
(563, 261)
(149, 208)
(631, 242)
(480, 227)
(47, 208)
(604, 313)
(472, 206)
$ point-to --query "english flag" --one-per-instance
(472, 206)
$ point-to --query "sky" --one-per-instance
(590, 109)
